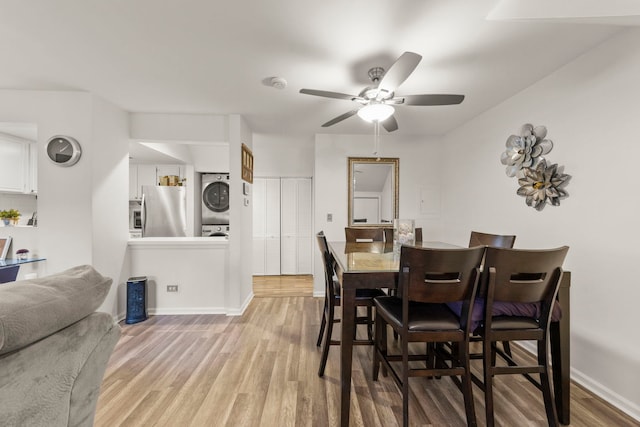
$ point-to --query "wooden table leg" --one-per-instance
(346, 352)
(559, 341)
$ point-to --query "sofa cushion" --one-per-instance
(33, 309)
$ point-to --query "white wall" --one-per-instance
(282, 156)
(240, 288)
(110, 204)
(420, 166)
(66, 206)
(171, 261)
(211, 131)
(590, 108)
(179, 127)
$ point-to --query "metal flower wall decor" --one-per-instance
(540, 183)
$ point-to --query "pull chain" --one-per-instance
(376, 138)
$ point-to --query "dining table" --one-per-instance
(367, 265)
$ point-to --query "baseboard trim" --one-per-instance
(606, 394)
(596, 388)
(244, 306)
(186, 310)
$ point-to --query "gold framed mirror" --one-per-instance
(373, 191)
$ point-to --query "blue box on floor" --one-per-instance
(136, 299)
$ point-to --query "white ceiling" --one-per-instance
(214, 57)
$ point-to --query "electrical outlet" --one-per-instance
(329, 217)
(172, 288)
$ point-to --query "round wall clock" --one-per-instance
(63, 150)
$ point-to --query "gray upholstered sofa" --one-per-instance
(54, 348)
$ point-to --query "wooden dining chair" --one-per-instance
(388, 234)
(364, 298)
(353, 234)
(520, 278)
(9, 274)
(496, 240)
(428, 279)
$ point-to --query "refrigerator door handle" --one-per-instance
(143, 215)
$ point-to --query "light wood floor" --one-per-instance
(260, 369)
(283, 286)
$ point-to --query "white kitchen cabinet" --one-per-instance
(266, 226)
(33, 168)
(133, 182)
(139, 175)
(15, 165)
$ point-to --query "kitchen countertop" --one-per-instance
(178, 241)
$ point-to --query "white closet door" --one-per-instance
(289, 213)
(296, 226)
(272, 226)
(259, 240)
(304, 232)
(266, 226)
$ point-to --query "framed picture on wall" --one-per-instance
(5, 243)
(247, 164)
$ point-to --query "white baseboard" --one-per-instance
(194, 310)
(606, 394)
(242, 309)
(596, 388)
(186, 310)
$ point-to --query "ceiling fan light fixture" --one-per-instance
(375, 112)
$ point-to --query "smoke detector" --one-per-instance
(278, 83)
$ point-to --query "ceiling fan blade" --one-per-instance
(399, 71)
(340, 118)
(432, 99)
(390, 124)
(328, 94)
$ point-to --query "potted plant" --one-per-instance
(10, 217)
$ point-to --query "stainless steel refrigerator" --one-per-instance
(164, 211)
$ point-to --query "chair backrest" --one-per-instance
(9, 274)
(363, 234)
(322, 242)
(388, 234)
(496, 240)
(523, 276)
(438, 275)
(328, 262)
(418, 232)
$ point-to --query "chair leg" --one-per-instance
(358, 321)
(380, 345)
(323, 323)
(370, 323)
(327, 340)
(467, 384)
(549, 402)
(405, 383)
(488, 381)
(506, 346)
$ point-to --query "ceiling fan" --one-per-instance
(377, 101)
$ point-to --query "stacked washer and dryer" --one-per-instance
(215, 205)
